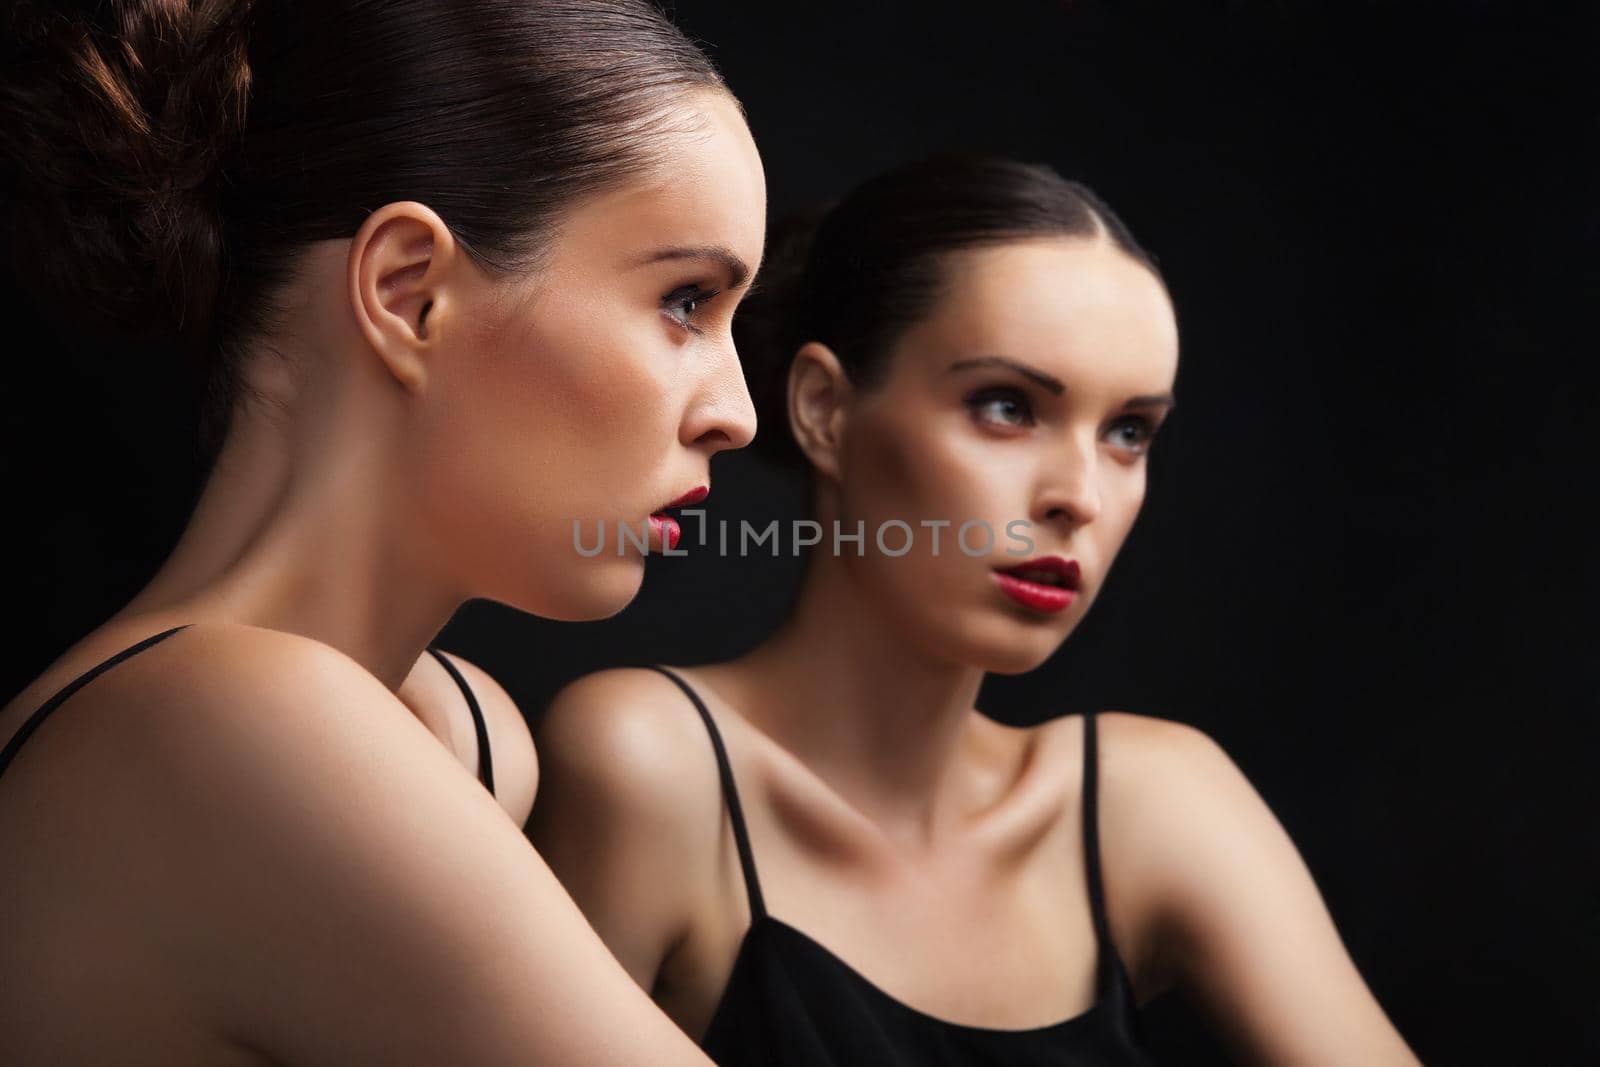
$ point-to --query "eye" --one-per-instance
(1143, 432)
(1001, 405)
(684, 303)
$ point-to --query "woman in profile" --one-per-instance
(861, 867)
(461, 274)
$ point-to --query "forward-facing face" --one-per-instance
(1025, 402)
(597, 388)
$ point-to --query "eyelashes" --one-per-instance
(1008, 407)
(1002, 405)
(1147, 431)
(684, 304)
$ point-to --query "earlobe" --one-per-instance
(819, 405)
(398, 260)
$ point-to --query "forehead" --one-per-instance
(707, 188)
(1077, 308)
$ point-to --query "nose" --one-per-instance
(724, 416)
(1069, 485)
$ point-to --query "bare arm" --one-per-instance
(342, 890)
(628, 810)
(1194, 846)
(433, 696)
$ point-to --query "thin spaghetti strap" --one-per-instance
(741, 836)
(1111, 976)
(10, 751)
(1091, 829)
(485, 762)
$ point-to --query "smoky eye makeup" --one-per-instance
(1009, 407)
(1005, 406)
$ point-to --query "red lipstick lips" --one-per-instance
(664, 529)
(1047, 584)
(693, 496)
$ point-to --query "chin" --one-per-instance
(993, 642)
(590, 590)
(1015, 657)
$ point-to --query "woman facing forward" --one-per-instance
(463, 274)
(971, 359)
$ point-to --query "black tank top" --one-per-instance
(790, 1002)
(9, 753)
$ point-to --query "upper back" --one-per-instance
(116, 805)
(240, 840)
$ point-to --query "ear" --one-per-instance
(399, 260)
(819, 405)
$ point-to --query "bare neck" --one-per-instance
(881, 719)
(303, 526)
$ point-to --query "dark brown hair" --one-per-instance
(856, 274)
(164, 160)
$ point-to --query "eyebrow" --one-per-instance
(1054, 384)
(738, 272)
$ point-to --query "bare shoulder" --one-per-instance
(276, 803)
(237, 699)
(1186, 839)
(1227, 905)
(326, 684)
(260, 752)
(629, 814)
(436, 699)
(1155, 753)
(1141, 754)
(225, 677)
(1160, 786)
(1161, 782)
(1150, 764)
(224, 723)
(631, 738)
(187, 666)
(516, 765)
(195, 712)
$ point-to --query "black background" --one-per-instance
(1362, 564)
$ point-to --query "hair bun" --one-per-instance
(113, 129)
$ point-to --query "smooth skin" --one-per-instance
(935, 850)
(437, 702)
(242, 845)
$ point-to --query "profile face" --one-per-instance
(598, 386)
(1009, 401)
